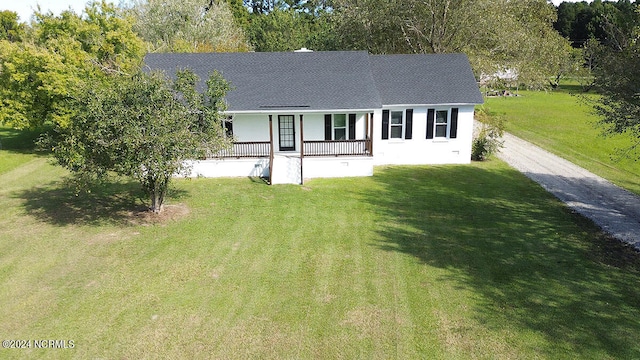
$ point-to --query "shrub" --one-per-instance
(488, 132)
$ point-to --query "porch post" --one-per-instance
(367, 138)
(366, 126)
(270, 149)
(301, 150)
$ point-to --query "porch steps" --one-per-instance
(286, 170)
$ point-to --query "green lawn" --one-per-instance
(439, 262)
(565, 125)
(18, 148)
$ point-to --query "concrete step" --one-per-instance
(286, 170)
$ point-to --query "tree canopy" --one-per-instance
(187, 26)
(608, 22)
(143, 126)
(39, 73)
(287, 30)
(496, 34)
(617, 80)
(10, 28)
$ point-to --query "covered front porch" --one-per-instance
(343, 149)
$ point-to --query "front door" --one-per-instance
(287, 131)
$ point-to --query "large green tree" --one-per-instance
(286, 25)
(10, 28)
(617, 80)
(279, 30)
(34, 85)
(283, 30)
(240, 12)
(143, 126)
(38, 75)
(104, 36)
(496, 34)
(373, 25)
(609, 22)
(187, 26)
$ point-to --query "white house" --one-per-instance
(307, 114)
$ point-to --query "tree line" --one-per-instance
(608, 22)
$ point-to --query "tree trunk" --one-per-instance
(157, 195)
(156, 203)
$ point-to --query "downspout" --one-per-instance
(301, 151)
(270, 149)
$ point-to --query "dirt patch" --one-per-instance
(168, 214)
(367, 321)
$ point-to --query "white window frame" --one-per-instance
(446, 124)
(334, 127)
(401, 125)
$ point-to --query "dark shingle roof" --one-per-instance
(331, 80)
(305, 80)
(426, 79)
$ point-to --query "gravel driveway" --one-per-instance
(614, 209)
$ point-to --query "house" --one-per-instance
(297, 115)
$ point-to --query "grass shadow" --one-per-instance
(19, 141)
(571, 88)
(258, 180)
(536, 265)
(60, 203)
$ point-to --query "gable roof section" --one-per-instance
(425, 79)
(283, 80)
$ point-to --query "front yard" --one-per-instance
(415, 262)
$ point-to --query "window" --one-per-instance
(442, 124)
(339, 126)
(396, 124)
(227, 127)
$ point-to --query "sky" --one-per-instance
(25, 8)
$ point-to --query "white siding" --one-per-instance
(251, 127)
(313, 126)
(419, 149)
(328, 167)
(231, 167)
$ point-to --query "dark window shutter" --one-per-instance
(327, 126)
(431, 116)
(352, 126)
(453, 132)
(385, 124)
(408, 131)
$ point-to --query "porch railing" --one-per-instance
(337, 148)
(259, 149)
(247, 149)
